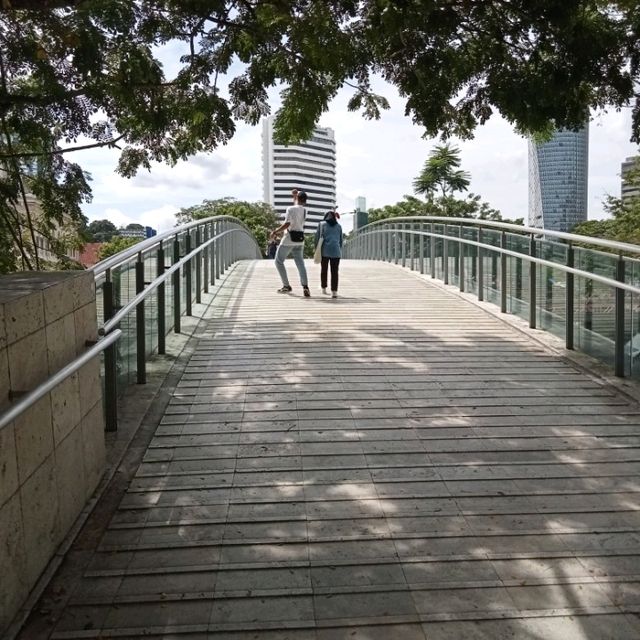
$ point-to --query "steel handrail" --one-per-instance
(571, 237)
(134, 302)
(142, 247)
(60, 376)
(516, 254)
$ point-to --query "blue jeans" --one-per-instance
(298, 257)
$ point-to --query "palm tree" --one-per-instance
(441, 172)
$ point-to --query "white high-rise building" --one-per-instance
(629, 188)
(309, 166)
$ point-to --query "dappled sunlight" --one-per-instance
(393, 468)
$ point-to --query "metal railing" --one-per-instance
(584, 290)
(28, 400)
(144, 291)
(201, 252)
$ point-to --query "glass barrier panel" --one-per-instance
(551, 285)
(632, 319)
(517, 276)
(470, 260)
(594, 306)
(491, 266)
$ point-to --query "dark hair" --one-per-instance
(329, 215)
(302, 197)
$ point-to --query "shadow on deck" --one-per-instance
(396, 463)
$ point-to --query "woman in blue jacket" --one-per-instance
(331, 233)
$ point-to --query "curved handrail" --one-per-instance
(60, 376)
(525, 256)
(135, 301)
(570, 237)
(141, 247)
(364, 244)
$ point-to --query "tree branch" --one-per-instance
(84, 147)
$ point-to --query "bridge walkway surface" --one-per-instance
(396, 463)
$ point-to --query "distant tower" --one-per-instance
(629, 189)
(361, 217)
(558, 179)
(309, 166)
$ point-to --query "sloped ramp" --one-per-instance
(393, 464)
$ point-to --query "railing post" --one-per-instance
(461, 260)
(569, 300)
(619, 329)
(161, 319)
(421, 248)
(396, 248)
(218, 250)
(205, 259)
(223, 248)
(176, 286)
(198, 267)
(212, 252)
(503, 274)
(141, 356)
(445, 257)
(188, 274)
(110, 367)
(403, 245)
(412, 248)
(533, 287)
(432, 256)
(480, 267)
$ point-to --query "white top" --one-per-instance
(295, 217)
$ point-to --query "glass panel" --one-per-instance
(470, 260)
(491, 266)
(595, 306)
(518, 276)
(551, 288)
(632, 320)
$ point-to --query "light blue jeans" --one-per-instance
(297, 251)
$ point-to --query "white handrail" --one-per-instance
(60, 376)
(571, 237)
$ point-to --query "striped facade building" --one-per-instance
(309, 166)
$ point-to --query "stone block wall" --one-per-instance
(53, 456)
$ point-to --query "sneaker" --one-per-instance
(307, 293)
(324, 290)
(334, 294)
(285, 289)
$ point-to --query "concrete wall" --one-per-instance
(53, 456)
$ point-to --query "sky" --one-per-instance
(375, 159)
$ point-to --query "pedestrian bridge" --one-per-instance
(404, 462)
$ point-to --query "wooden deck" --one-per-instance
(393, 464)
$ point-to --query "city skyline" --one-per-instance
(376, 159)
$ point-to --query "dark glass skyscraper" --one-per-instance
(558, 180)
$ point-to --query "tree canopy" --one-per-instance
(261, 218)
(77, 74)
(623, 224)
(441, 172)
(116, 245)
(101, 231)
(441, 175)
